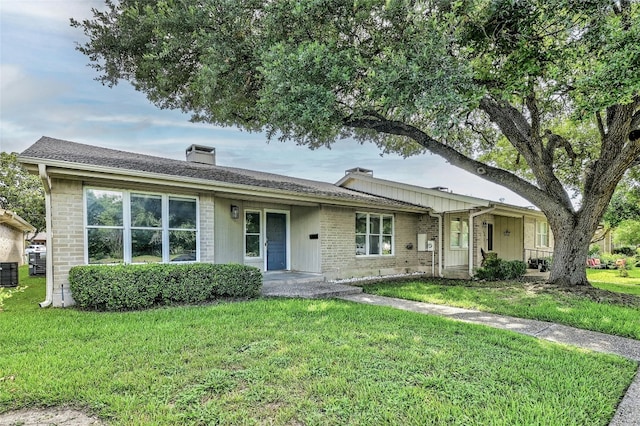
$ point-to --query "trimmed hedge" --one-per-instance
(133, 287)
(495, 269)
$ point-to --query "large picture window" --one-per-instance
(542, 234)
(374, 234)
(459, 233)
(131, 227)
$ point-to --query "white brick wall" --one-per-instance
(67, 239)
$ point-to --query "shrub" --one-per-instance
(627, 251)
(129, 287)
(495, 269)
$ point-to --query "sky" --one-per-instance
(48, 89)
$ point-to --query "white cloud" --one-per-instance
(50, 12)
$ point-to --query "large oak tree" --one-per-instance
(540, 96)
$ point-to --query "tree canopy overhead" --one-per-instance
(540, 96)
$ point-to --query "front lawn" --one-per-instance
(610, 279)
(523, 300)
(295, 362)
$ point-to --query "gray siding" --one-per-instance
(427, 199)
(228, 233)
(508, 247)
(305, 251)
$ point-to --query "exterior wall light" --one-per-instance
(235, 212)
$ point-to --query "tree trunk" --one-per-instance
(570, 254)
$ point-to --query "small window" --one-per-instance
(146, 228)
(542, 234)
(374, 234)
(105, 226)
(183, 234)
(252, 234)
(459, 232)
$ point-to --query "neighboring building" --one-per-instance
(13, 230)
(603, 238)
(108, 206)
(469, 225)
(37, 238)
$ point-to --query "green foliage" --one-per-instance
(21, 192)
(627, 233)
(495, 269)
(133, 287)
(624, 205)
(594, 250)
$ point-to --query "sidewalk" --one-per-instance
(628, 412)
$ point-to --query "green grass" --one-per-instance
(610, 279)
(516, 299)
(295, 362)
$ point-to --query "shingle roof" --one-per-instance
(79, 156)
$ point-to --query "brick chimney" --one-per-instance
(201, 154)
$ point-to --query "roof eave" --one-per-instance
(81, 170)
(12, 219)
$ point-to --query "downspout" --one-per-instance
(471, 233)
(439, 216)
(46, 181)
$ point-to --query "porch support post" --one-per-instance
(471, 235)
(440, 244)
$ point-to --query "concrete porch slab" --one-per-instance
(303, 285)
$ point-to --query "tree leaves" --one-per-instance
(21, 192)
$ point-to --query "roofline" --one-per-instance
(518, 210)
(458, 197)
(12, 219)
(65, 168)
(481, 202)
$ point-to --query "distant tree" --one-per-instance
(627, 233)
(21, 192)
(459, 79)
(625, 203)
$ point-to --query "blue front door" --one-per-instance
(276, 241)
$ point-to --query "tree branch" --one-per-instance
(635, 121)
(603, 133)
(519, 133)
(542, 199)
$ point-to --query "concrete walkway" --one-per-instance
(628, 411)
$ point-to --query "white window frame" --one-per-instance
(380, 234)
(542, 235)
(464, 222)
(259, 233)
(127, 225)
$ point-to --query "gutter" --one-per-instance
(46, 181)
(439, 216)
(471, 234)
